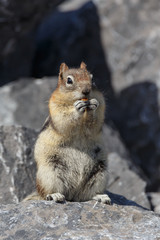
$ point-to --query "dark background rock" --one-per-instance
(48, 220)
(137, 118)
(17, 23)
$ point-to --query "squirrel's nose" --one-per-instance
(86, 91)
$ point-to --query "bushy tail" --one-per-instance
(33, 196)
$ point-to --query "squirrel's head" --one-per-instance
(76, 83)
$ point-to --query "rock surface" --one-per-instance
(82, 221)
(18, 168)
(123, 180)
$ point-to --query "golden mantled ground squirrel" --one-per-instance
(69, 151)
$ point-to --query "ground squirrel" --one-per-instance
(69, 151)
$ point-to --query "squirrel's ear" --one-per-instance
(83, 65)
(63, 68)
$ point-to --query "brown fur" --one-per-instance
(69, 152)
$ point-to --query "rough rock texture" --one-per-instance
(25, 102)
(18, 168)
(123, 175)
(123, 180)
(17, 22)
(82, 221)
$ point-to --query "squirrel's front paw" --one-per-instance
(56, 197)
(93, 104)
(104, 198)
(81, 105)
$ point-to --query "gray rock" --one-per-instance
(81, 221)
(131, 40)
(123, 180)
(123, 175)
(18, 170)
(114, 142)
(25, 102)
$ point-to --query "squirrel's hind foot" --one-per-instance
(104, 198)
(56, 197)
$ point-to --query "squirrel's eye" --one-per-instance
(69, 80)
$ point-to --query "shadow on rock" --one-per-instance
(122, 201)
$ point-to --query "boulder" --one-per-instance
(123, 180)
(89, 220)
(25, 102)
(131, 40)
(18, 168)
(123, 176)
(18, 21)
(138, 121)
